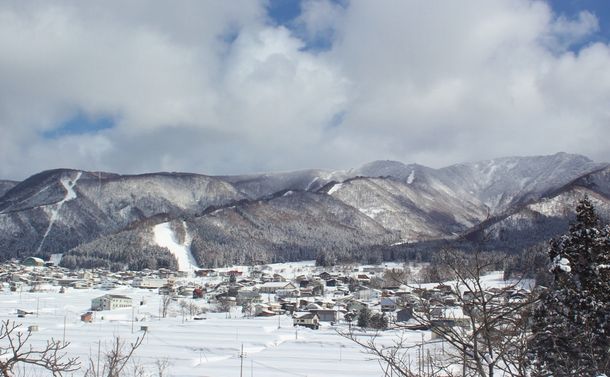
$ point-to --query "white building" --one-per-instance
(149, 283)
(110, 302)
(274, 286)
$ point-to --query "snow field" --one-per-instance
(208, 347)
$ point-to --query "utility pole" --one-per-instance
(241, 364)
(99, 354)
(64, 337)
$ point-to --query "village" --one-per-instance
(312, 296)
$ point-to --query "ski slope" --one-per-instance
(165, 237)
(70, 195)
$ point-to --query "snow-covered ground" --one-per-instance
(211, 346)
(207, 347)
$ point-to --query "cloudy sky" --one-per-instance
(226, 87)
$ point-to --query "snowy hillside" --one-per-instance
(57, 210)
(293, 214)
(417, 213)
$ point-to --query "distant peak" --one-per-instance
(571, 156)
(383, 164)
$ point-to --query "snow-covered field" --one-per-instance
(207, 347)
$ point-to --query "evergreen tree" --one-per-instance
(364, 317)
(571, 327)
(379, 321)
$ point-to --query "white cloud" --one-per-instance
(418, 81)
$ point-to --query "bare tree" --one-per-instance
(225, 305)
(485, 332)
(115, 359)
(166, 300)
(394, 358)
(190, 308)
(162, 366)
(397, 276)
(16, 350)
(490, 335)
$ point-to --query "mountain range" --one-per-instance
(109, 220)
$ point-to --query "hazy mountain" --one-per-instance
(261, 185)
(280, 216)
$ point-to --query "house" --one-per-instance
(111, 302)
(287, 293)
(306, 319)
(149, 283)
(437, 311)
(387, 304)
(186, 291)
(198, 292)
(234, 273)
(167, 290)
(373, 270)
(404, 315)
(364, 293)
(87, 317)
(356, 306)
(107, 285)
(274, 286)
(268, 310)
(247, 296)
(205, 273)
(33, 262)
(327, 315)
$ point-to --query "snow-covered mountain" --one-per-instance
(292, 215)
(417, 212)
(56, 210)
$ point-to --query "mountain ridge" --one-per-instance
(63, 210)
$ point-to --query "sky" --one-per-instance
(233, 87)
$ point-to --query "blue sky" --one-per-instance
(298, 84)
(81, 123)
(284, 11)
(601, 9)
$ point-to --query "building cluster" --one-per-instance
(319, 295)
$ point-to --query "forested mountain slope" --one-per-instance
(510, 202)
